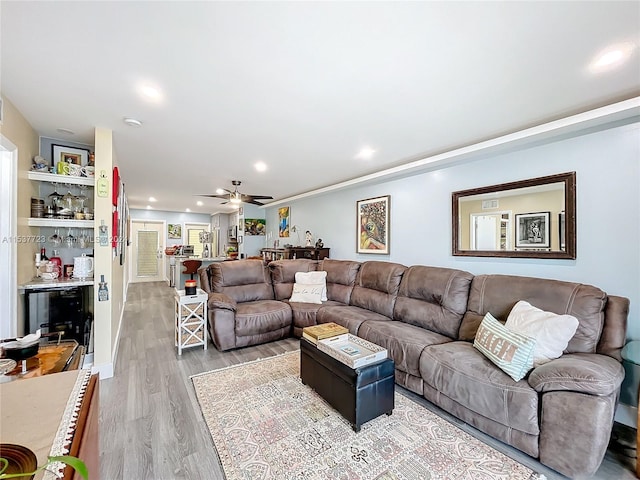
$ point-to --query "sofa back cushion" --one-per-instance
(341, 277)
(433, 298)
(498, 294)
(242, 280)
(376, 287)
(283, 275)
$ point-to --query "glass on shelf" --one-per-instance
(69, 240)
(56, 239)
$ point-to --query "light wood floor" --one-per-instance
(150, 423)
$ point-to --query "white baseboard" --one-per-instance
(626, 415)
(105, 370)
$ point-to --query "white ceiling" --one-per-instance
(302, 86)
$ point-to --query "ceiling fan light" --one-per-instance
(234, 200)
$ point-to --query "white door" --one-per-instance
(484, 232)
(147, 242)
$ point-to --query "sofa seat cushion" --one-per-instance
(462, 373)
(304, 314)
(253, 318)
(348, 316)
(404, 342)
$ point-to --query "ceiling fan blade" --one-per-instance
(255, 202)
(263, 197)
(213, 196)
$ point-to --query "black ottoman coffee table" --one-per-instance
(359, 395)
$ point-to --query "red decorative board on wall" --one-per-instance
(116, 186)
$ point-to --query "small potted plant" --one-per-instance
(232, 252)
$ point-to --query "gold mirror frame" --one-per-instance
(569, 252)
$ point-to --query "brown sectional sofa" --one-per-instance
(427, 317)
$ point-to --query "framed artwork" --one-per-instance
(77, 156)
(174, 231)
(255, 226)
(284, 220)
(373, 223)
(532, 230)
(561, 231)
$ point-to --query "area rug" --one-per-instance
(266, 424)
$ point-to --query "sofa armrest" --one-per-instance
(579, 372)
(222, 301)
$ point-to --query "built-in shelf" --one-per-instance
(64, 179)
(57, 222)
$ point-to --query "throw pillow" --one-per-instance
(510, 351)
(551, 331)
(314, 278)
(307, 293)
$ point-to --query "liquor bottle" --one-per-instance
(43, 255)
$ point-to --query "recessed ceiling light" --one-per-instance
(152, 199)
(199, 203)
(150, 92)
(612, 57)
(65, 130)
(219, 191)
(132, 122)
(187, 210)
(260, 166)
(366, 153)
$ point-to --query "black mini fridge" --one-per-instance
(59, 309)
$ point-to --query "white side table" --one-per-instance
(191, 319)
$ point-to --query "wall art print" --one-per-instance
(373, 224)
(284, 221)
(532, 230)
(255, 226)
(174, 230)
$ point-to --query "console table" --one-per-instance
(310, 253)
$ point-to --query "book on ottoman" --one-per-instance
(355, 352)
(324, 330)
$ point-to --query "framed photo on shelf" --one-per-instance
(373, 223)
(77, 156)
(532, 230)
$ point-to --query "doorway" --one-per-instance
(8, 230)
(491, 231)
(147, 251)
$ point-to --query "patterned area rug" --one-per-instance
(267, 425)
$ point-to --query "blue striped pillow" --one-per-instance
(511, 351)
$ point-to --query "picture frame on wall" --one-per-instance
(255, 226)
(284, 221)
(174, 231)
(373, 225)
(561, 231)
(532, 230)
(77, 156)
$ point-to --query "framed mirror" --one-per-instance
(534, 218)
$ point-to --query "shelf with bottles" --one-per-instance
(61, 204)
(64, 179)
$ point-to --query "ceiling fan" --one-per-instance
(236, 197)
